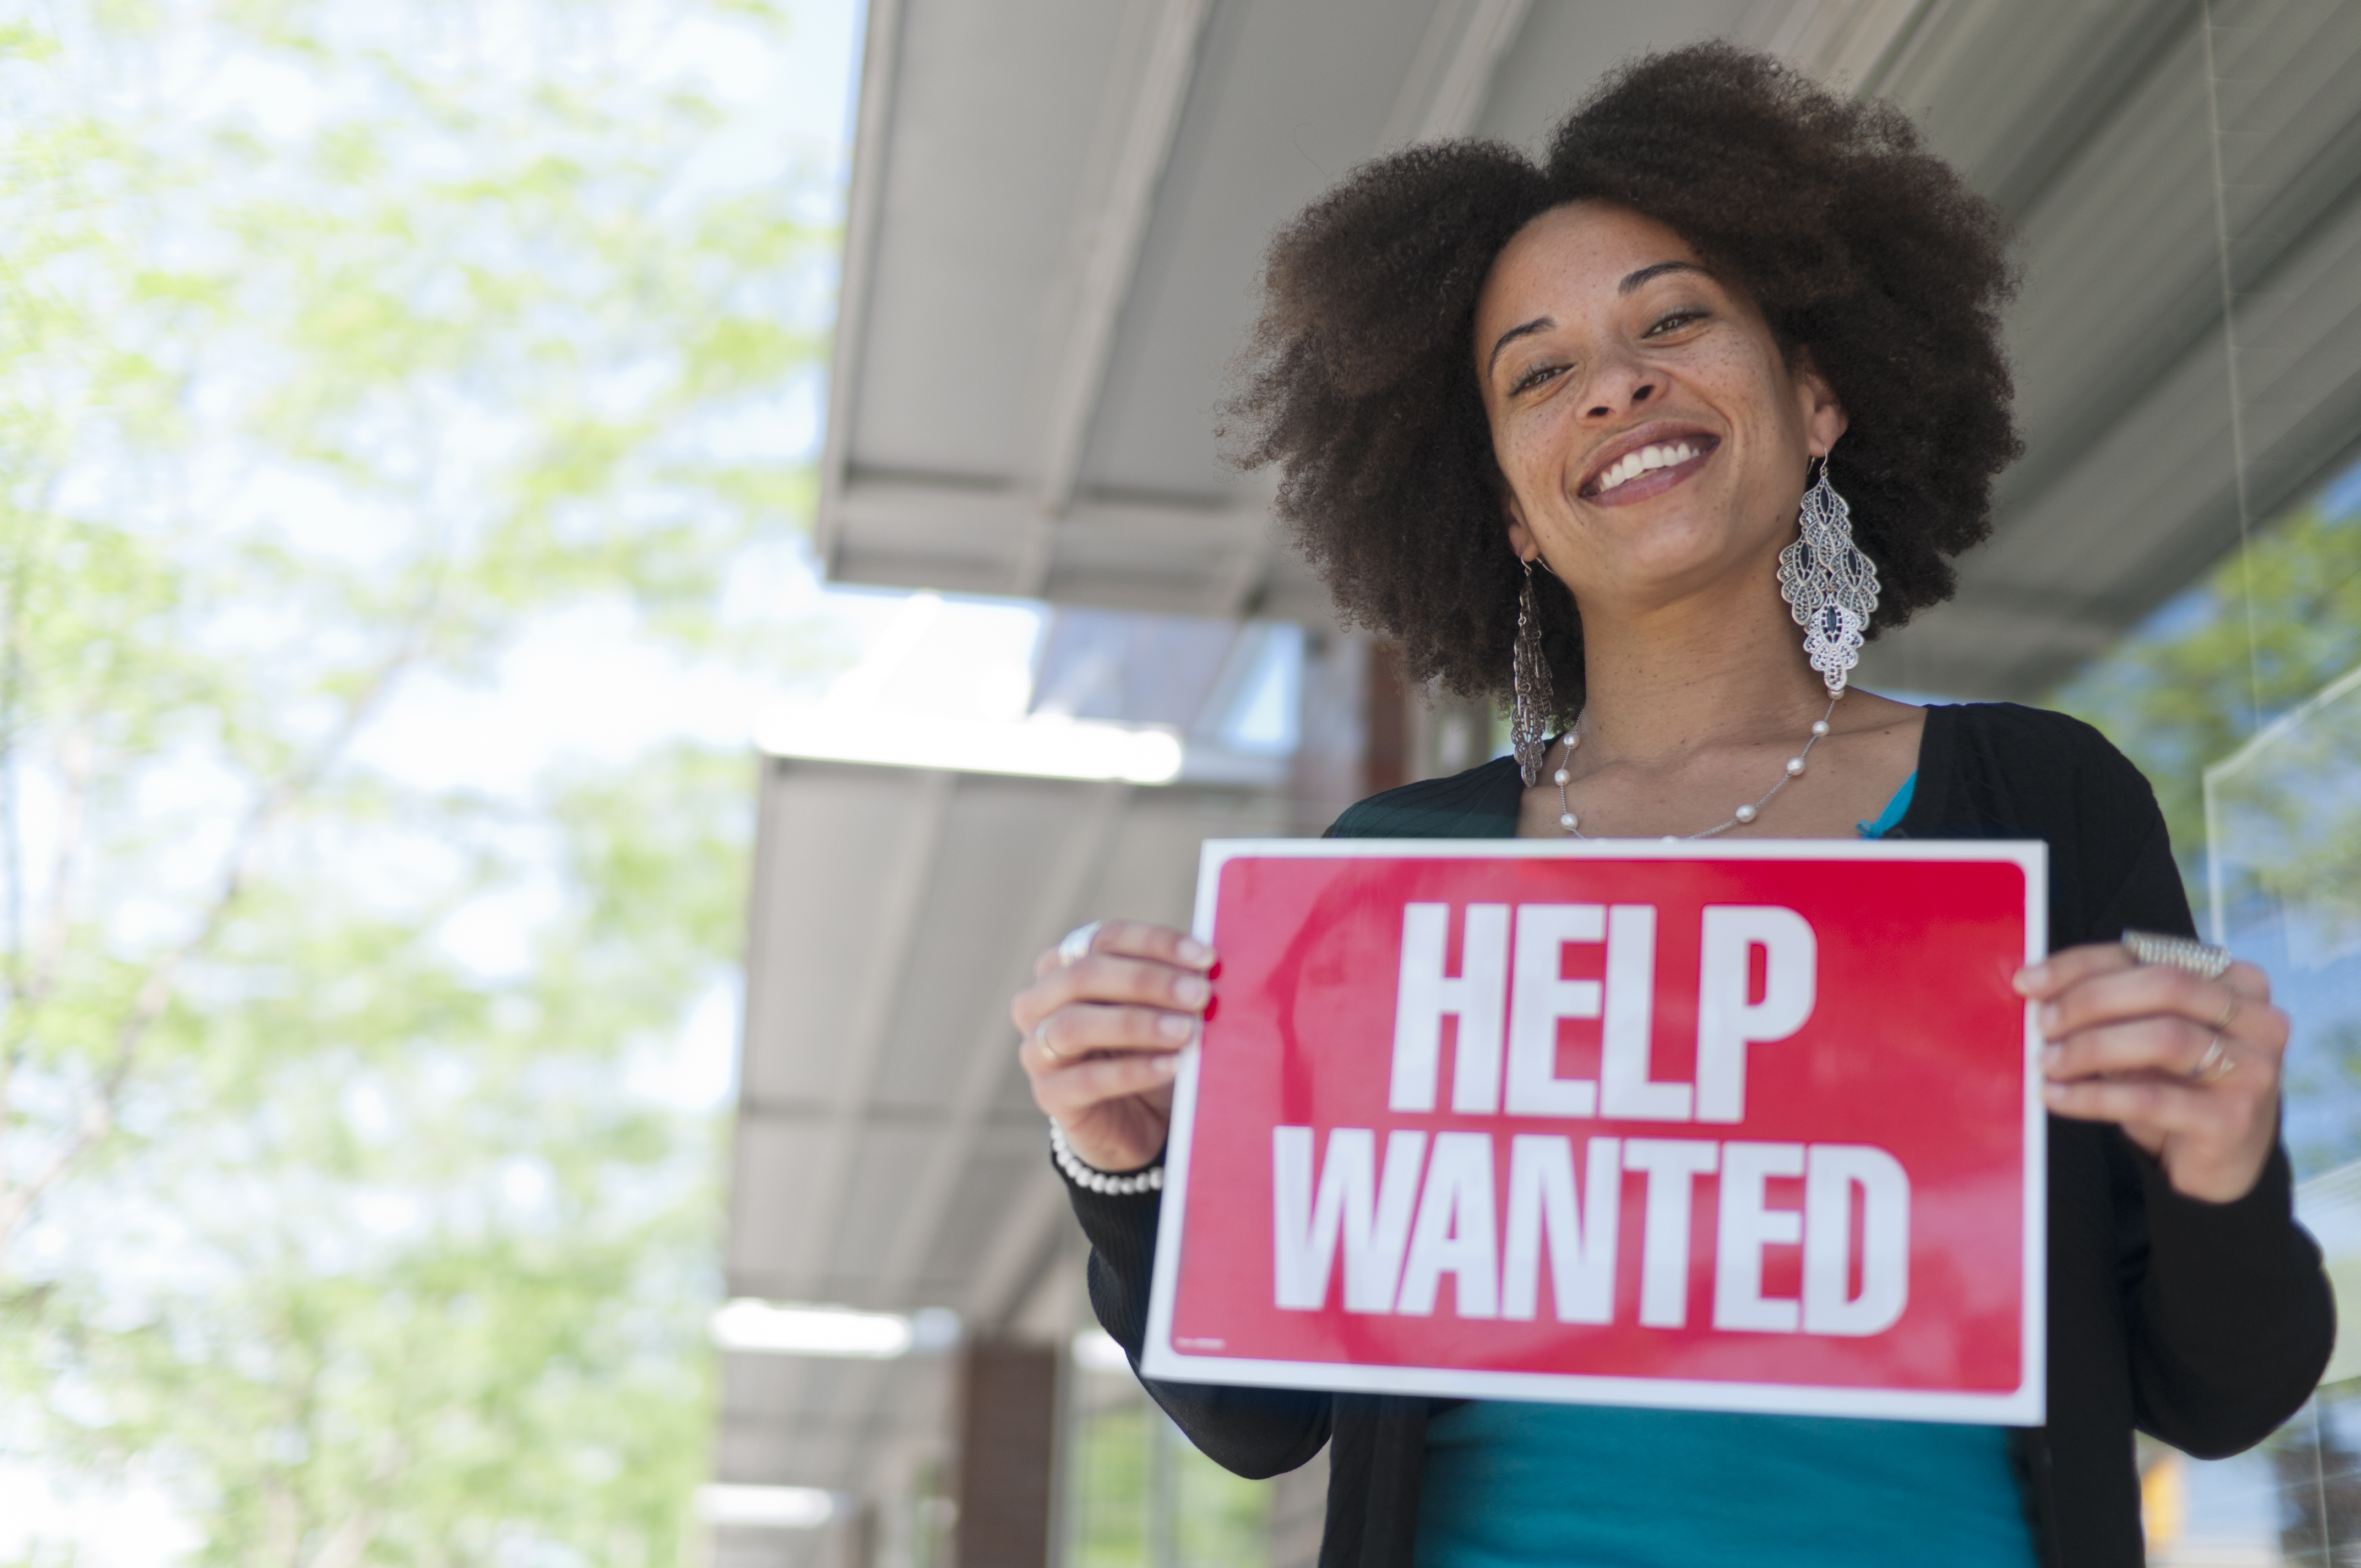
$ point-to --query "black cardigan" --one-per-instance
(2204, 1324)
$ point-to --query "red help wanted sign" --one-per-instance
(1745, 1126)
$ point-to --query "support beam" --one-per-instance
(1443, 94)
(905, 880)
(1110, 246)
(880, 59)
(1251, 570)
(1139, 124)
(1299, 1514)
(1445, 733)
(1847, 44)
(987, 1060)
(1387, 761)
(1176, 556)
(1021, 1244)
(1008, 1422)
(995, 517)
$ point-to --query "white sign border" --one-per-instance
(2025, 1405)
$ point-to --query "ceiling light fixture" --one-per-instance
(786, 1328)
(765, 1507)
(1039, 746)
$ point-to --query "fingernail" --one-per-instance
(2030, 978)
(1166, 1065)
(1193, 951)
(2047, 1016)
(1191, 990)
(1172, 1027)
(2050, 1057)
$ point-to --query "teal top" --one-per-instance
(1518, 1486)
(1895, 809)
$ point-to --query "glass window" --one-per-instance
(2240, 697)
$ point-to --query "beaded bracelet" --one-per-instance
(1093, 1180)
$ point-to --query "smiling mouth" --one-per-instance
(1680, 452)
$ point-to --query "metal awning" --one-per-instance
(1058, 208)
(888, 1155)
(1057, 211)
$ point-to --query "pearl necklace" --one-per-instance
(1567, 820)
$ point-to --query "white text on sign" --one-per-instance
(1432, 1209)
(1492, 1005)
(1398, 1233)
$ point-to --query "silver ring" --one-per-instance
(2200, 958)
(2215, 1065)
(1075, 945)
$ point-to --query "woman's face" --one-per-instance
(1655, 441)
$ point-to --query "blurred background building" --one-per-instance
(1056, 210)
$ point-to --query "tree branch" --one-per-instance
(79, 755)
(350, 1541)
(156, 990)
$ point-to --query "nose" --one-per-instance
(1617, 386)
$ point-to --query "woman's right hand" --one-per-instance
(1103, 1036)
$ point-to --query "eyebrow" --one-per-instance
(1656, 270)
(1539, 324)
(1543, 323)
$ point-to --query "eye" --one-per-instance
(1675, 320)
(1534, 378)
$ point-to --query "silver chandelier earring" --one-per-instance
(1530, 676)
(1829, 584)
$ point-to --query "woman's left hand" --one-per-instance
(2134, 1044)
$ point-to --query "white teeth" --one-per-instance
(1632, 464)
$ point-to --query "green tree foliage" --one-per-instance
(343, 349)
(2264, 630)
(1132, 1474)
(2244, 676)
(437, 1278)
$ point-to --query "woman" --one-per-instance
(1551, 429)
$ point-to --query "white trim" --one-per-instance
(2022, 1407)
(2034, 1328)
(2025, 1405)
(2029, 854)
